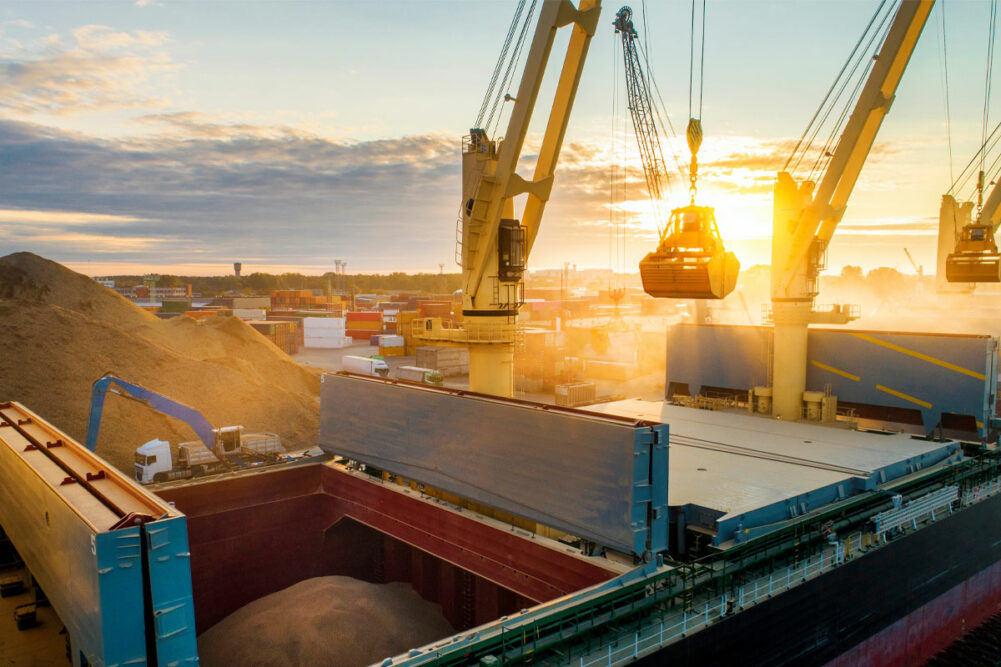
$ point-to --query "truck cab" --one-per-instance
(365, 365)
(227, 439)
(152, 458)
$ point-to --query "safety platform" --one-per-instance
(738, 476)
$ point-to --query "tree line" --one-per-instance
(263, 283)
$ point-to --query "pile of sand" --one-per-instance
(60, 331)
(324, 621)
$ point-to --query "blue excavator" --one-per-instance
(217, 450)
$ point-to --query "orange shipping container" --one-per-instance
(364, 325)
(391, 351)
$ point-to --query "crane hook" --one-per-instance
(694, 143)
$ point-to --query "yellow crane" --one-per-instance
(806, 215)
(494, 244)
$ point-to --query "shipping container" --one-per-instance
(250, 313)
(363, 316)
(328, 342)
(449, 361)
(391, 351)
(609, 370)
(175, 306)
(435, 309)
(574, 394)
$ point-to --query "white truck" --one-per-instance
(155, 462)
(427, 376)
(365, 365)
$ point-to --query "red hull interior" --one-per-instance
(256, 534)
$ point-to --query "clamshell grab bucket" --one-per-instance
(976, 259)
(690, 262)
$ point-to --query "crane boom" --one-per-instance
(814, 224)
(990, 214)
(642, 113)
(493, 183)
(805, 217)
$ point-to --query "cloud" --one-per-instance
(96, 243)
(288, 198)
(210, 189)
(886, 226)
(17, 23)
(94, 68)
(11, 217)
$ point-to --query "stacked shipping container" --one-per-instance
(391, 345)
(541, 365)
(303, 299)
(363, 325)
(404, 327)
(448, 361)
(282, 334)
(295, 319)
(325, 332)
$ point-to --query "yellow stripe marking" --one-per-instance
(832, 369)
(980, 424)
(923, 357)
(900, 394)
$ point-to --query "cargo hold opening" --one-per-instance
(255, 534)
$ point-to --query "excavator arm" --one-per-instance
(171, 408)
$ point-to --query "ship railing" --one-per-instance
(672, 627)
(979, 492)
(681, 604)
(675, 626)
(916, 510)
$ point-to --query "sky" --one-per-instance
(179, 137)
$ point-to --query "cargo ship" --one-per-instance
(632, 530)
(860, 527)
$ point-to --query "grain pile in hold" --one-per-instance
(324, 621)
(60, 331)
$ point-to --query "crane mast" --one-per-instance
(805, 215)
(495, 244)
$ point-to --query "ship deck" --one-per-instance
(735, 472)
